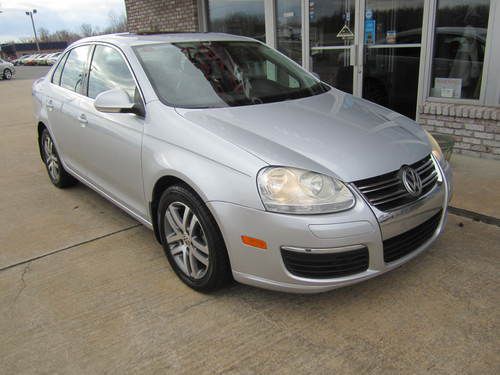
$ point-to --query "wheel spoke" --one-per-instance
(200, 246)
(174, 238)
(176, 220)
(176, 250)
(193, 266)
(199, 256)
(194, 222)
(185, 260)
(172, 222)
(185, 218)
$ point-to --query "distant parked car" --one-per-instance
(7, 69)
(42, 59)
(52, 58)
(32, 59)
(20, 60)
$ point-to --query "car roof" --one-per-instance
(132, 39)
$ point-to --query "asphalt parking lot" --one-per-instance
(86, 289)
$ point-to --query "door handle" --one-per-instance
(83, 120)
(50, 105)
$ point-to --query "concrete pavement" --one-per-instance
(93, 293)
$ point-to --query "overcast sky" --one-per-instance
(54, 15)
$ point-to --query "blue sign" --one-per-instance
(370, 31)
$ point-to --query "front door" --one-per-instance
(332, 40)
(369, 48)
(113, 141)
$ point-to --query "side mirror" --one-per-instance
(116, 101)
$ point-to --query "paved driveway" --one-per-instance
(85, 289)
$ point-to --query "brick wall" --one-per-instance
(476, 129)
(162, 15)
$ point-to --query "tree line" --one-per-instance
(116, 24)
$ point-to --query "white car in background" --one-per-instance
(52, 58)
(7, 69)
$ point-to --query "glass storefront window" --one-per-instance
(459, 45)
(327, 18)
(289, 28)
(393, 21)
(240, 17)
(333, 67)
(393, 33)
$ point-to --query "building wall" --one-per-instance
(162, 15)
(475, 129)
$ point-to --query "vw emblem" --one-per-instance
(411, 181)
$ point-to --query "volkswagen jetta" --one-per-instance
(243, 164)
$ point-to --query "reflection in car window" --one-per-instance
(109, 71)
(72, 75)
(56, 77)
(223, 73)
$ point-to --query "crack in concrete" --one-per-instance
(23, 282)
(68, 247)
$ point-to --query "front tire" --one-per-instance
(192, 240)
(57, 174)
(7, 74)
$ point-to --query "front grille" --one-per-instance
(323, 266)
(405, 243)
(386, 192)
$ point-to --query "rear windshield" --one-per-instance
(223, 73)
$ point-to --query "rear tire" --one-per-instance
(7, 74)
(192, 241)
(57, 174)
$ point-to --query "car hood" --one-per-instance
(334, 133)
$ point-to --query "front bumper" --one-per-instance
(360, 226)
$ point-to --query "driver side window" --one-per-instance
(109, 71)
(72, 77)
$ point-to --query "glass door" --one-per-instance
(332, 42)
(392, 42)
(289, 28)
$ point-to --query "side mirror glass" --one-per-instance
(116, 101)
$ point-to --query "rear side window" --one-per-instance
(73, 72)
(109, 71)
(56, 77)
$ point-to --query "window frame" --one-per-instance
(127, 62)
(61, 64)
(91, 59)
(84, 69)
(84, 91)
(428, 48)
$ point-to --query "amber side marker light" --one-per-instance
(254, 242)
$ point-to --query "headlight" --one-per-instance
(297, 191)
(436, 149)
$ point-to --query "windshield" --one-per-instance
(223, 73)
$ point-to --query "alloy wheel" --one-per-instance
(51, 159)
(7, 74)
(186, 240)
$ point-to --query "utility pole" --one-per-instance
(30, 13)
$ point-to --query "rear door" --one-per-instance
(112, 142)
(63, 102)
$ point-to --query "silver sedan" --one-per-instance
(244, 165)
(7, 70)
